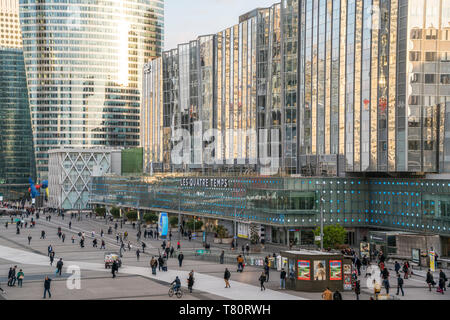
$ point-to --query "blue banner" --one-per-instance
(163, 224)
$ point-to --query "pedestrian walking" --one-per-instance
(358, 265)
(10, 277)
(443, 276)
(138, 254)
(357, 289)
(262, 280)
(376, 289)
(190, 281)
(337, 296)
(143, 247)
(180, 259)
(283, 279)
(430, 280)
(52, 258)
(222, 256)
(153, 265)
(63, 237)
(400, 283)
(327, 295)
(59, 266)
(160, 263)
(240, 262)
(114, 268)
(386, 283)
(267, 271)
(103, 246)
(406, 270)
(226, 277)
(397, 267)
(29, 239)
(164, 265)
(47, 283)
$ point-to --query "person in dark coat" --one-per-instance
(180, 259)
(226, 277)
(47, 282)
(357, 289)
(430, 279)
(442, 275)
(267, 271)
(337, 295)
(59, 266)
(114, 268)
(400, 283)
(262, 279)
(160, 263)
(191, 281)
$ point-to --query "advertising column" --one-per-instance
(163, 226)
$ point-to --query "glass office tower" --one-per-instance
(84, 64)
(16, 143)
(350, 86)
(375, 88)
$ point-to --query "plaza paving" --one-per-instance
(135, 280)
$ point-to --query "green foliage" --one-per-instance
(115, 212)
(254, 238)
(221, 231)
(194, 223)
(173, 221)
(100, 211)
(150, 218)
(132, 215)
(334, 236)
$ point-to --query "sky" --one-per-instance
(185, 20)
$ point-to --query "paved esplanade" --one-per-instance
(203, 282)
(135, 280)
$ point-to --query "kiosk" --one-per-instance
(314, 271)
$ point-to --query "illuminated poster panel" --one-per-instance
(304, 270)
(335, 270)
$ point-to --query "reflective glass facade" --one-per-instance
(350, 86)
(414, 205)
(16, 143)
(84, 63)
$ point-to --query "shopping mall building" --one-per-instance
(339, 106)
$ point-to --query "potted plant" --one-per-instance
(100, 212)
(132, 216)
(221, 234)
(150, 218)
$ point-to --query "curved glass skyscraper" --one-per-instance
(84, 63)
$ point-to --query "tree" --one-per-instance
(221, 231)
(100, 211)
(333, 236)
(194, 225)
(173, 221)
(115, 212)
(150, 218)
(132, 215)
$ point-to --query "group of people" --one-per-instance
(441, 282)
(14, 276)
